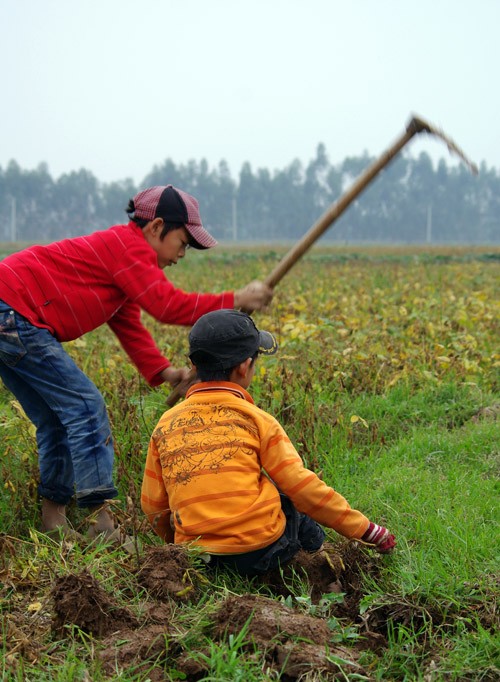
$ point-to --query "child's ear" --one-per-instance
(153, 227)
(244, 366)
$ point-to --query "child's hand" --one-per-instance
(380, 537)
(180, 378)
(254, 296)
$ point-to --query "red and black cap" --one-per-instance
(176, 206)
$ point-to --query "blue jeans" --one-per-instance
(301, 532)
(74, 440)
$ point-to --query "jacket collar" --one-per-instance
(206, 387)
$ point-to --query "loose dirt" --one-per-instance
(148, 637)
(80, 600)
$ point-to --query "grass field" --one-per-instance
(387, 381)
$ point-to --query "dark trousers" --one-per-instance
(301, 532)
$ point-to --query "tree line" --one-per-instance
(409, 202)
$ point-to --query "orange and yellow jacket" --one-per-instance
(216, 462)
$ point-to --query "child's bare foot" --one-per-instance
(101, 521)
(53, 515)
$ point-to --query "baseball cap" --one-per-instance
(227, 337)
(173, 205)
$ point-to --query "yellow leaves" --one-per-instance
(34, 607)
(29, 425)
(471, 366)
(462, 318)
(18, 408)
(296, 328)
(371, 327)
(76, 343)
(355, 419)
(430, 328)
(396, 377)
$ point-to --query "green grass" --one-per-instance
(363, 390)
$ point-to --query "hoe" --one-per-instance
(415, 126)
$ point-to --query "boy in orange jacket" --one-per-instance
(223, 475)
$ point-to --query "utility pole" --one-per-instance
(235, 221)
(13, 226)
(429, 224)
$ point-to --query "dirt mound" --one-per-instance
(294, 643)
(295, 659)
(267, 621)
(337, 568)
(488, 413)
(168, 572)
(142, 651)
(80, 600)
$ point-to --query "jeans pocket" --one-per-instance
(11, 347)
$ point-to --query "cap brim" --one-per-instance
(201, 238)
(267, 343)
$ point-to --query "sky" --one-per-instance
(118, 86)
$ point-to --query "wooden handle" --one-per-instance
(335, 211)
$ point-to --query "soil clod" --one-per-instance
(80, 600)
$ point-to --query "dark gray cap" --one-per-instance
(225, 338)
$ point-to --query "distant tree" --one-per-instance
(488, 205)
(32, 195)
(408, 202)
(249, 203)
(166, 174)
(78, 203)
(114, 200)
(316, 188)
(288, 201)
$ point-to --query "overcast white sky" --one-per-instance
(117, 86)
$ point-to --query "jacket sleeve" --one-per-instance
(154, 497)
(138, 343)
(144, 283)
(308, 492)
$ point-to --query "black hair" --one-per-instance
(214, 373)
(167, 226)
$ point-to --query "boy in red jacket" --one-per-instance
(55, 293)
(225, 473)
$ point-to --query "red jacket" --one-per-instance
(76, 285)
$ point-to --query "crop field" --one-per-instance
(387, 382)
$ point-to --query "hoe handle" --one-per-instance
(337, 208)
